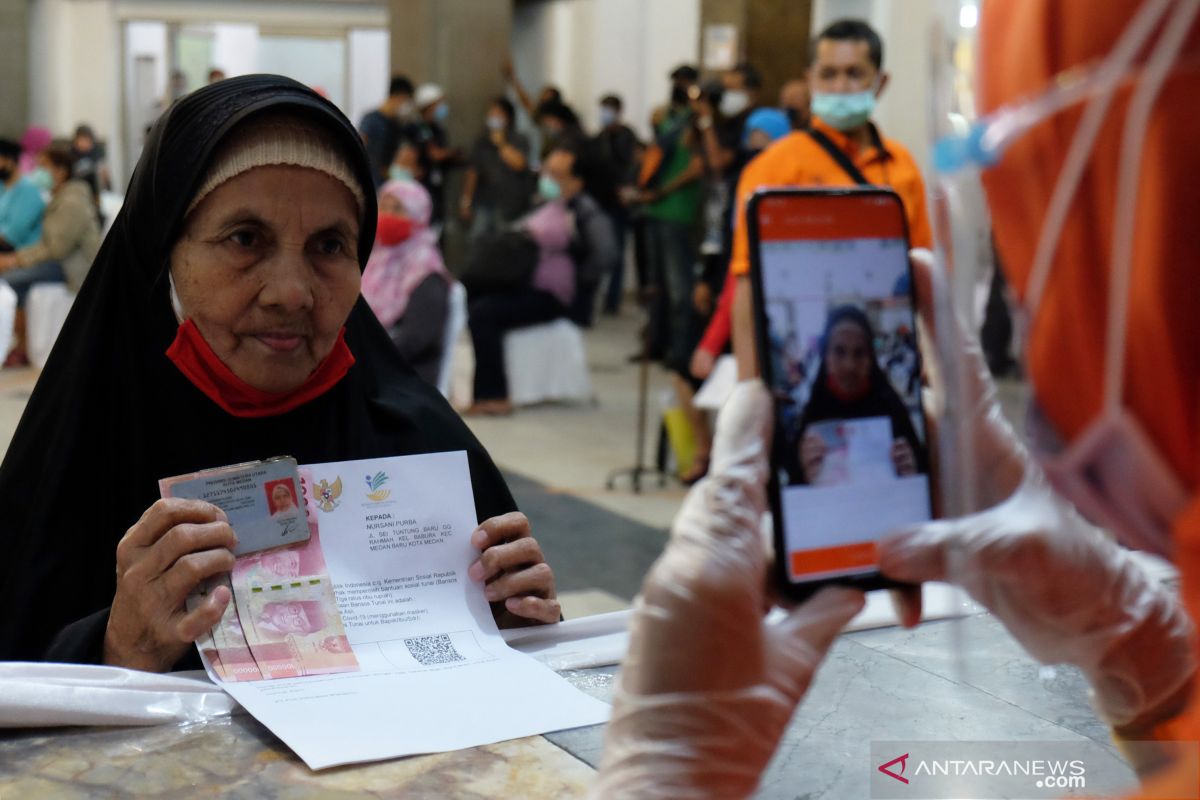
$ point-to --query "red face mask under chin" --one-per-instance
(195, 358)
(393, 229)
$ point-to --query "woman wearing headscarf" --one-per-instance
(405, 281)
(220, 323)
(850, 384)
(33, 142)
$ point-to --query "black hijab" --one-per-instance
(110, 414)
(880, 400)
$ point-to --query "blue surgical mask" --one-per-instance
(42, 179)
(399, 173)
(607, 116)
(549, 188)
(442, 112)
(497, 123)
(844, 111)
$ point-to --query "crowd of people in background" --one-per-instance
(50, 218)
(546, 208)
(560, 205)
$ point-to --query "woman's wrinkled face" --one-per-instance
(848, 357)
(267, 269)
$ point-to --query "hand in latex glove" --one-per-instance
(981, 435)
(1061, 587)
(956, 365)
(707, 687)
(1067, 593)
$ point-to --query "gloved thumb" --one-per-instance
(926, 552)
(742, 441)
(798, 643)
(730, 501)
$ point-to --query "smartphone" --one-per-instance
(835, 328)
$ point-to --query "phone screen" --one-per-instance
(838, 348)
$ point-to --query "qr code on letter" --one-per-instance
(429, 650)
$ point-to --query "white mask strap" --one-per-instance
(1158, 67)
(1114, 69)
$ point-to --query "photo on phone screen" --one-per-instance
(838, 349)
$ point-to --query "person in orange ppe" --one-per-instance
(841, 147)
(1092, 219)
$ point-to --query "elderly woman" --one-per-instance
(221, 322)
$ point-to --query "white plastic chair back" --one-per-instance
(8, 313)
(547, 363)
(456, 320)
(46, 309)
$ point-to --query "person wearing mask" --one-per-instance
(409, 163)
(549, 295)
(1115, 420)
(594, 247)
(720, 136)
(381, 129)
(739, 97)
(497, 190)
(21, 203)
(764, 126)
(33, 142)
(842, 148)
(69, 241)
(617, 150)
(672, 180)
(91, 166)
(434, 110)
(405, 281)
(721, 114)
(794, 99)
(558, 126)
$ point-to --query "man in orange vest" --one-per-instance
(841, 148)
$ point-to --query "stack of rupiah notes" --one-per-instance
(283, 621)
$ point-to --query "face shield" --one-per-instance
(1111, 471)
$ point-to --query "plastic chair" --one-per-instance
(8, 313)
(46, 309)
(456, 320)
(547, 363)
